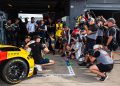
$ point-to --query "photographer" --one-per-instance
(91, 32)
(99, 39)
(104, 62)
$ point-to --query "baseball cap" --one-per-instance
(37, 37)
(28, 37)
(112, 20)
(91, 19)
(97, 46)
(82, 20)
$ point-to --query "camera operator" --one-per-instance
(91, 32)
(104, 62)
(99, 39)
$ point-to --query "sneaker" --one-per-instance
(81, 58)
(35, 71)
(103, 78)
(82, 64)
(38, 67)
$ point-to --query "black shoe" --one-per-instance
(103, 78)
(35, 71)
(82, 64)
(53, 52)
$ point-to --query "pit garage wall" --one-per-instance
(3, 18)
(109, 8)
(103, 4)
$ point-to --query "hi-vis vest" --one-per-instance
(59, 29)
(59, 26)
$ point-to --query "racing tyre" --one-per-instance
(14, 71)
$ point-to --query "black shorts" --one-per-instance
(42, 61)
(105, 67)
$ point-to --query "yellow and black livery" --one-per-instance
(15, 64)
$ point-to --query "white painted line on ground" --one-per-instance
(71, 71)
(45, 75)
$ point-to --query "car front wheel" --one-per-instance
(14, 71)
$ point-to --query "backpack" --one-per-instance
(117, 35)
(114, 44)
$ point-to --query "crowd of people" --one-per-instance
(89, 42)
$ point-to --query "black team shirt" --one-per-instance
(36, 49)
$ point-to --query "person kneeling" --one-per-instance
(104, 62)
(36, 49)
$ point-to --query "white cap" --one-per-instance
(82, 20)
(97, 46)
(91, 19)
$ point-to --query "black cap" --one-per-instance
(28, 37)
(37, 37)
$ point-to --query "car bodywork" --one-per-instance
(8, 52)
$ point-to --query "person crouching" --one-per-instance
(104, 62)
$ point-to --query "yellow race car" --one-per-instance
(15, 64)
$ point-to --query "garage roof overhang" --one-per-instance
(103, 6)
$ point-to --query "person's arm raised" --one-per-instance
(87, 31)
(46, 50)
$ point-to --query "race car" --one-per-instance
(15, 64)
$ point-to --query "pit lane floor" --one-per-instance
(59, 75)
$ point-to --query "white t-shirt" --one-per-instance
(78, 46)
(31, 27)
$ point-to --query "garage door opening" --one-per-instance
(22, 16)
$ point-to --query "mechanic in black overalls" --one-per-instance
(16, 27)
(9, 33)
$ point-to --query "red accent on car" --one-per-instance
(3, 56)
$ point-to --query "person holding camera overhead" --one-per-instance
(91, 31)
